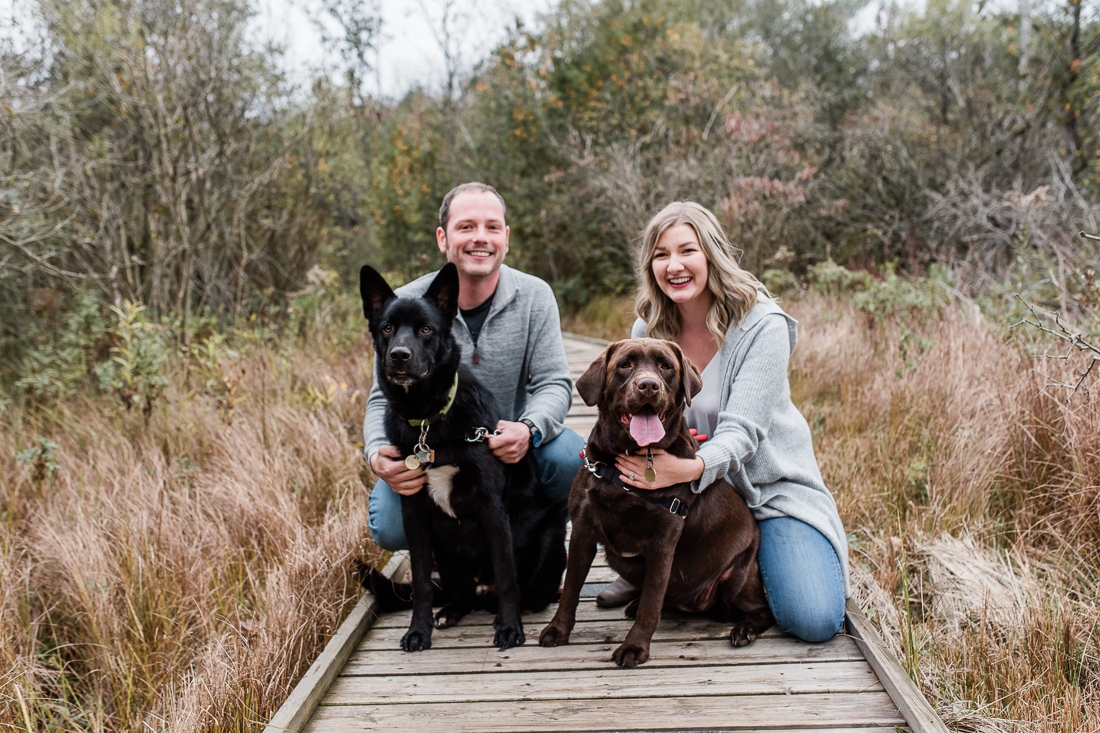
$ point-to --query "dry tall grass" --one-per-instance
(181, 574)
(971, 492)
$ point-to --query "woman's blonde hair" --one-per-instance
(735, 291)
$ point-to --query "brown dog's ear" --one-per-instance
(690, 380)
(590, 384)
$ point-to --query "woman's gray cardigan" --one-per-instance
(762, 443)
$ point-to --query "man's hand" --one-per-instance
(389, 465)
(512, 443)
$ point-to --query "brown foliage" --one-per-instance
(183, 576)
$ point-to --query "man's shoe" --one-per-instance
(619, 593)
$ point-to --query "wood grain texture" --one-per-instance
(769, 679)
(296, 710)
(831, 710)
(577, 657)
(916, 710)
(590, 632)
(587, 610)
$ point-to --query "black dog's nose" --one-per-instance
(648, 386)
(400, 355)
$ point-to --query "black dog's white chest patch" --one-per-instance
(440, 484)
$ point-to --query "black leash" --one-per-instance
(610, 473)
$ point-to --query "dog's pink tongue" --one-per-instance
(646, 428)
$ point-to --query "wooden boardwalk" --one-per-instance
(694, 681)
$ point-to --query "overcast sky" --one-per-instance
(409, 53)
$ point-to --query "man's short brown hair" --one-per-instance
(472, 187)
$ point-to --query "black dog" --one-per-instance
(485, 522)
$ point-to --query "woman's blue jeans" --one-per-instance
(802, 577)
(557, 461)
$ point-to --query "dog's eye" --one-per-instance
(666, 366)
(387, 328)
(624, 365)
(426, 330)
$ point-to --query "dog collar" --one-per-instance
(599, 469)
(441, 413)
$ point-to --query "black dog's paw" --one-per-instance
(508, 637)
(448, 616)
(630, 655)
(742, 634)
(416, 641)
(631, 609)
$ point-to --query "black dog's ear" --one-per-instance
(374, 290)
(590, 384)
(690, 380)
(443, 292)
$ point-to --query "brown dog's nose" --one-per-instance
(648, 386)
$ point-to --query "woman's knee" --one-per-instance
(812, 622)
(803, 579)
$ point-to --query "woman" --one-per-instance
(692, 291)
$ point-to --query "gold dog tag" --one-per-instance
(412, 463)
(650, 474)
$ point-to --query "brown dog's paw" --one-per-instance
(508, 637)
(631, 609)
(742, 634)
(554, 636)
(416, 641)
(630, 655)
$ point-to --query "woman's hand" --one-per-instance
(670, 469)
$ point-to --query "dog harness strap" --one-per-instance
(450, 401)
(610, 473)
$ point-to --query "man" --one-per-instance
(510, 334)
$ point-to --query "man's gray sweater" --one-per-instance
(762, 443)
(521, 358)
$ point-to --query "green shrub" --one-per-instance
(136, 369)
(55, 367)
(41, 458)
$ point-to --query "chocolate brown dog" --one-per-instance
(687, 551)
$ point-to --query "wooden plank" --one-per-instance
(836, 710)
(600, 574)
(587, 610)
(770, 679)
(533, 658)
(920, 716)
(296, 710)
(585, 632)
(600, 344)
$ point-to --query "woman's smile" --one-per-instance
(680, 266)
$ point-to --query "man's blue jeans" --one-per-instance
(802, 577)
(557, 460)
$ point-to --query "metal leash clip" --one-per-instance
(481, 435)
(592, 466)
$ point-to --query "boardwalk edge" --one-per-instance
(912, 705)
(295, 712)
